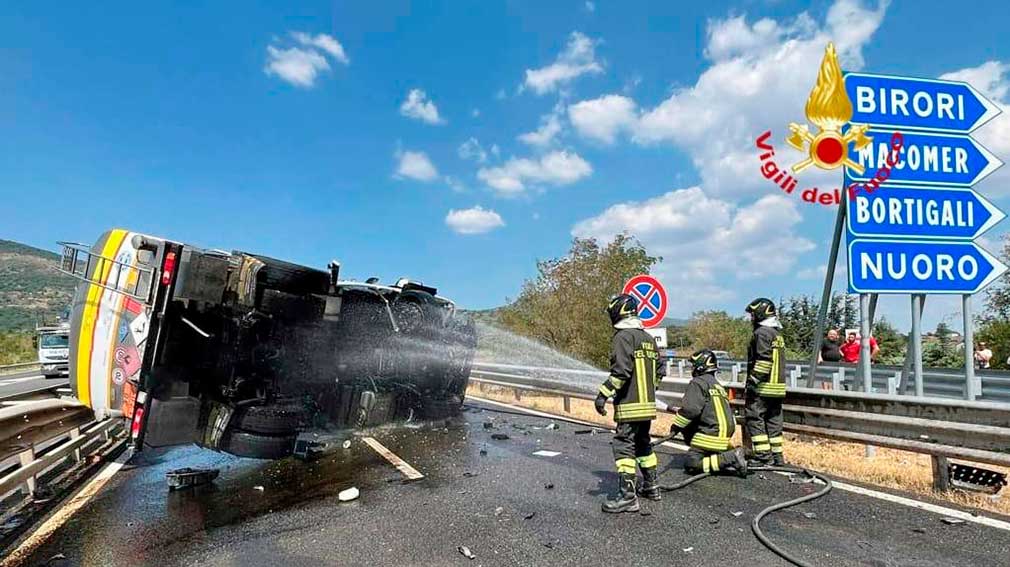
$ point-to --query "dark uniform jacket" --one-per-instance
(633, 375)
(766, 369)
(705, 416)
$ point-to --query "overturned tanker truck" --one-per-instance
(243, 353)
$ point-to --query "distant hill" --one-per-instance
(31, 290)
(674, 322)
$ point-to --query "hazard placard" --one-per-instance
(651, 299)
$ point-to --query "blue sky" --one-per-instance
(458, 143)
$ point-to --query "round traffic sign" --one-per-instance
(651, 299)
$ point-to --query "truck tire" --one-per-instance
(272, 419)
(243, 444)
(291, 278)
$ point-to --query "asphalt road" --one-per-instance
(19, 383)
(507, 505)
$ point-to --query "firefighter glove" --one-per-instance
(601, 404)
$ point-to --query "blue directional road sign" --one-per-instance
(909, 103)
(921, 212)
(926, 159)
(889, 266)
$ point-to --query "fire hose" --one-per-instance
(756, 522)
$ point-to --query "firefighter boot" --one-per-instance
(650, 484)
(762, 459)
(778, 460)
(627, 500)
(740, 462)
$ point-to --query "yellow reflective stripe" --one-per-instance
(776, 448)
(762, 448)
(705, 466)
(777, 440)
(648, 462)
(715, 462)
(710, 442)
(89, 316)
(605, 390)
(637, 414)
(640, 378)
(615, 382)
(769, 389)
(720, 416)
(758, 438)
(763, 365)
(625, 465)
(681, 421)
(774, 379)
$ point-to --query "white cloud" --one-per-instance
(601, 119)
(550, 126)
(759, 78)
(415, 165)
(471, 149)
(454, 184)
(555, 168)
(494, 150)
(301, 64)
(475, 220)
(326, 43)
(420, 107)
(590, 6)
(577, 59)
(992, 79)
(704, 239)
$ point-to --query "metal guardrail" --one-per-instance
(940, 427)
(8, 368)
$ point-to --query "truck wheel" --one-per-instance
(272, 420)
(242, 444)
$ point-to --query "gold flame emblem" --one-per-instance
(830, 109)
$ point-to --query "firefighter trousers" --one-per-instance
(699, 461)
(633, 446)
(763, 418)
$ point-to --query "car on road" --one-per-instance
(241, 352)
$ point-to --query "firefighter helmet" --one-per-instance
(703, 362)
(761, 309)
(621, 307)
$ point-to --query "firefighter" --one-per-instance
(706, 421)
(766, 386)
(632, 384)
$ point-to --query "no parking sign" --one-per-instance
(651, 299)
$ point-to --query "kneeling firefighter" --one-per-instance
(766, 385)
(632, 383)
(705, 418)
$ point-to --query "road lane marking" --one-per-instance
(902, 500)
(401, 465)
(64, 512)
(4, 382)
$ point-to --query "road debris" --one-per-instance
(644, 512)
(466, 552)
(259, 487)
(919, 530)
(582, 431)
(545, 453)
(552, 425)
(549, 486)
(499, 436)
(351, 493)
(347, 444)
(736, 514)
(189, 477)
(951, 521)
(469, 474)
(488, 424)
(688, 549)
(499, 511)
(810, 515)
(529, 516)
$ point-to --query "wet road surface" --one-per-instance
(508, 506)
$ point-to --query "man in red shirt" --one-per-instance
(850, 349)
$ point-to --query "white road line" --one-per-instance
(401, 465)
(63, 513)
(904, 501)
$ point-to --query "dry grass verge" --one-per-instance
(889, 468)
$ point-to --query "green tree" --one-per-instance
(798, 316)
(892, 343)
(942, 351)
(996, 334)
(997, 295)
(843, 312)
(718, 331)
(564, 306)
